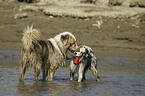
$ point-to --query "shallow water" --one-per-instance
(119, 77)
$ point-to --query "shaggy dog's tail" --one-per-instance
(29, 35)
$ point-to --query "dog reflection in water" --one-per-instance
(83, 60)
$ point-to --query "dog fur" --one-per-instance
(44, 55)
(87, 61)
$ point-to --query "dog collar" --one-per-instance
(60, 49)
(55, 44)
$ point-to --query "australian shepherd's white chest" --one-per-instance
(44, 55)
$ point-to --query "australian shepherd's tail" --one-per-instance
(29, 35)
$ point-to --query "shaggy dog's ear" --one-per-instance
(64, 37)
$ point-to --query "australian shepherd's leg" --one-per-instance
(51, 74)
(23, 70)
(45, 74)
(94, 72)
(37, 72)
(36, 76)
(81, 72)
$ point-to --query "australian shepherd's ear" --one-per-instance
(64, 37)
(44, 55)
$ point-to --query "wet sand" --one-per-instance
(119, 36)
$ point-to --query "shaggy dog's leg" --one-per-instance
(51, 74)
(72, 75)
(81, 72)
(73, 69)
(84, 77)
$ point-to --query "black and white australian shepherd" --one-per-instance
(83, 60)
(44, 55)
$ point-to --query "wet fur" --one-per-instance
(87, 61)
(43, 55)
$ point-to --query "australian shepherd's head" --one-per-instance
(66, 41)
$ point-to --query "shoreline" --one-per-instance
(121, 36)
